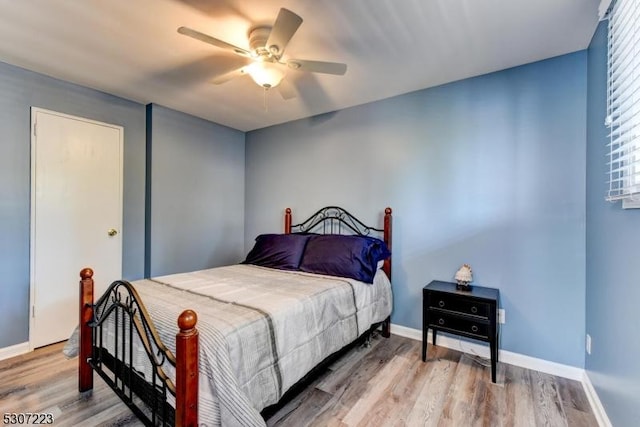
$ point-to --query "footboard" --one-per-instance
(112, 332)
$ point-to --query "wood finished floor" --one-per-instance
(384, 385)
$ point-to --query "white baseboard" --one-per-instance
(403, 331)
(541, 365)
(14, 350)
(594, 400)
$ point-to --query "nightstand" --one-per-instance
(471, 314)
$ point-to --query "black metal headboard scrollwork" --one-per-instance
(336, 220)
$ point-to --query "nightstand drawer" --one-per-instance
(457, 304)
(439, 319)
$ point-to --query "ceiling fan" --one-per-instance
(267, 44)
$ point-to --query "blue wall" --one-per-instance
(613, 287)
(197, 193)
(487, 171)
(21, 90)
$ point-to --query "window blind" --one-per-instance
(623, 101)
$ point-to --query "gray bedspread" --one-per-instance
(261, 330)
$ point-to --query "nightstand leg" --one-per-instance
(494, 359)
(433, 336)
(424, 345)
(425, 329)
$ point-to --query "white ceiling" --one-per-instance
(131, 48)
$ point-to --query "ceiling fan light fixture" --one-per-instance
(265, 74)
(267, 45)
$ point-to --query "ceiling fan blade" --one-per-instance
(212, 40)
(223, 78)
(287, 89)
(318, 66)
(284, 28)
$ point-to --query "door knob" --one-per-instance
(112, 232)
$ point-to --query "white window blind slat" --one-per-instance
(626, 74)
(622, 42)
(621, 161)
(623, 128)
(623, 101)
(620, 148)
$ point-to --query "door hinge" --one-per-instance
(33, 311)
(35, 129)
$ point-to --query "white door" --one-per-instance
(76, 216)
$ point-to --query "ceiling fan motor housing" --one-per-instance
(258, 39)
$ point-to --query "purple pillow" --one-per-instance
(281, 251)
(355, 257)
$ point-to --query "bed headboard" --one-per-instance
(336, 220)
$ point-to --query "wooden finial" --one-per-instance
(187, 320)
(288, 210)
(86, 273)
(388, 211)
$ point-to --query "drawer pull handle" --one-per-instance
(441, 303)
(474, 309)
(474, 328)
(441, 321)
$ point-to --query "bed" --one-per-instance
(247, 333)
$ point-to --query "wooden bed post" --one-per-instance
(386, 324)
(287, 221)
(85, 372)
(187, 350)
(387, 239)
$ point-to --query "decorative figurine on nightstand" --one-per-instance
(464, 278)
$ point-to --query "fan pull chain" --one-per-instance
(266, 108)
